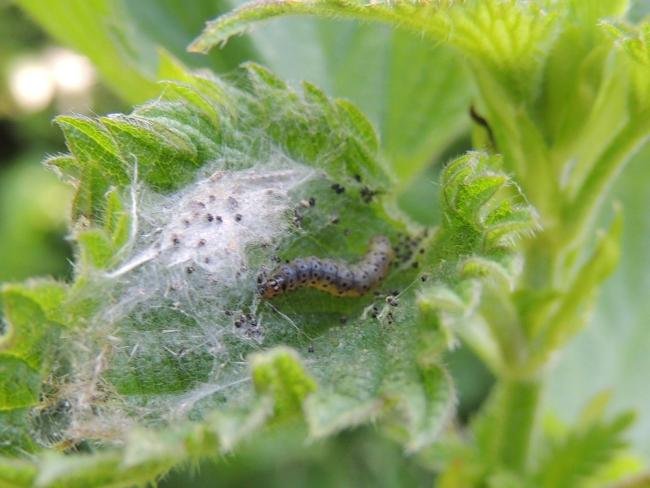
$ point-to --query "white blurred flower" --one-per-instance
(35, 80)
(72, 73)
(31, 84)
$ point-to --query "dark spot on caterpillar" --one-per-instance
(238, 217)
(190, 269)
(218, 219)
(232, 203)
(335, 278)
(186, 222)
(358, 178)
(312, 202)
(335, 219)
(337, 188)
(201, 243)
(176, 240)
(209, 217)
(310, 348)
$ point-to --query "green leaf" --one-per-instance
(27, 348)
(96, 248)
(417, 399)
(424, 407)
(29, 334)
(159, 338)
(116, 220)
(20, 383)
(582, 453)
(234, 175)
(414, 129)
(512, 42)
(279, 373)
(485, 215)
(223, 28)
(426, 104)
(415, 93)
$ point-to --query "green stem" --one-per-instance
(521, 406)
(512, 422)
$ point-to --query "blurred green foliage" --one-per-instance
(361, 457)
(612, 352)
(33, 223)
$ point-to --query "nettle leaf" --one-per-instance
(507, 37)
(424, 18)
(582, 452)
(32, 324)
(168, 352)
(280, 375)
(122, 39)
(527, 58)
(485, 215)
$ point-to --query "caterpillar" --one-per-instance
(334, 277)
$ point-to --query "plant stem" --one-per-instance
(518, 404)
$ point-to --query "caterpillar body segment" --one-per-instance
(333, 277)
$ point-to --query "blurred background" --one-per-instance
(97, 57)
